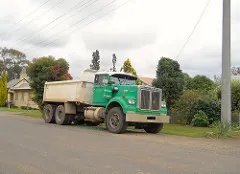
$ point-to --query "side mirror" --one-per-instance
(115, 89)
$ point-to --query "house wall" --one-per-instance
(24, 98)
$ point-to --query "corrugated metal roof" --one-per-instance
(23, 86)
(12, 83)
(146, 80)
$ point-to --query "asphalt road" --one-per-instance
(29, 145)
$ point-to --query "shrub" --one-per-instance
(190, 103)
(222, 129)
(200, 119)
(210, 106)
(182, 111)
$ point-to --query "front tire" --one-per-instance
(48, 113)
(153, 128)
(116, 121)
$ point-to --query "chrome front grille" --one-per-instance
(145, 99)
(155, 101)
(149, 98)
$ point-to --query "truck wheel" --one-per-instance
(60, 116)
(116, 121)
(48, 113)
(153, 128)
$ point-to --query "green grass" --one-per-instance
(170, 129)
(183, 130)
(190, 131)
(29, 113)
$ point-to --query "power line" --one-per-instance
(198, 21)
(92, 20)
(21, 39)
(119, 6)
(28, 14)
(55, 5)
(78, 22)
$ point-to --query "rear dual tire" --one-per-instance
(49, 113)
(56, 114)
(60, 116)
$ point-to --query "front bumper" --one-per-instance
(140, 118)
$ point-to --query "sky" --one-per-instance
(140, 30)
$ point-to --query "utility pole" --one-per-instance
(226, 63)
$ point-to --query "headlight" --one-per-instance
(164, 105)
(131, 101)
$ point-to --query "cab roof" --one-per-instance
(115, 73)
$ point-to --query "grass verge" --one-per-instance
(170, 129)
(190, 131)
(29, 113)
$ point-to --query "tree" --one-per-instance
(235, 89)
(170, 79)
(12, 62)
(187, 81)
(114, 60)
(46, 69)
(3, 89)
(128, 68)
(95, 61)
(200, 83)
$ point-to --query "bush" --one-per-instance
(190, 103)
(210, 106)
(200, 119)
(222, 129)
(13, 106)
(182, 111)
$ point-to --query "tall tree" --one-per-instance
(200, 83)
(187, 81)
(46, 69)
(95, 61)
(114, 60)
(3, 88)
(128, 68)
(170, 79)
(12, 61)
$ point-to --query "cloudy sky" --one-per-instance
(140, 30)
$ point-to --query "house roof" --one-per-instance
(23, 86)
(146, 80)
(12, 83)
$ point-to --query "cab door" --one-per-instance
(102, 90)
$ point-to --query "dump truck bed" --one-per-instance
(68, 91)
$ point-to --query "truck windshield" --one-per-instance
(123, 79)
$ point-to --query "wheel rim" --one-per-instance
(60, 115)
(114, 120)
(48, 114)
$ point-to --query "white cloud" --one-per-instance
(141, 30)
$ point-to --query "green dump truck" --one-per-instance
(110, 97)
